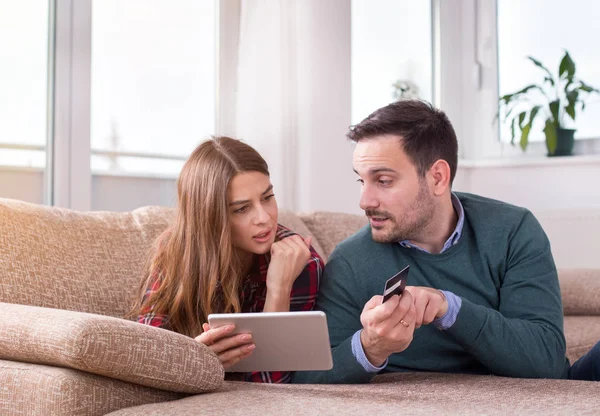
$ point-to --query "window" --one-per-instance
(24, 40)
(543, 29)
(23, 82)
(153, 83)
(391, 44)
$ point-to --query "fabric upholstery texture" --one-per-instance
(581, 333)
(580, 290)
(331, 228)
(92, 263)
(40, 390)
(108, 346)
(88, 262)
(392, 394)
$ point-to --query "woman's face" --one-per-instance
(252, 212)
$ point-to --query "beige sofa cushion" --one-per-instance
(580, 289)
(30, 389)
(581, 333)
(294, 222)
(392, 394)
(88, 262)
(108, 346)
(332, 228)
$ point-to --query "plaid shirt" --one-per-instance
(254, 294)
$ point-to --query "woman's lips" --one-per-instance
(263, 237)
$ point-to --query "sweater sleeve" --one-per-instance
(338, 299)
(524, 337)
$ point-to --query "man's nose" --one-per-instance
(368, 199)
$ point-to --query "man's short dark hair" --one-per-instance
(426, 133)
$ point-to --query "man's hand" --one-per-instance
(430, 304)
(229, 348)
(387, 327)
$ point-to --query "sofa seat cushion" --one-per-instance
(581, 333)
(108, 346)
(391, 394)
(31, 389)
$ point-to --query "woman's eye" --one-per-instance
(268, 197)
(242, 209)
(360, 181)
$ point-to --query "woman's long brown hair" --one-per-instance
(194, 259)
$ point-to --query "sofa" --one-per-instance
(68, 278)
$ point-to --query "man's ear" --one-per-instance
(440, 176)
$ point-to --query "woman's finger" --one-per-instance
(231, 342)
(232, 354)
(235, 360)
(210, 336)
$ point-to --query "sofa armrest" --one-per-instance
(108, 346)
(580, 290)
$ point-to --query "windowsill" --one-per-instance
(139, 175)
(533, 160)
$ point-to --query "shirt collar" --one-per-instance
(454, 237)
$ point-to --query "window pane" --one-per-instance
(23, 99)
(544, 29)
(391, 42)
(153, 80)
(23, 76)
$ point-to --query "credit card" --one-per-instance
(395, 285)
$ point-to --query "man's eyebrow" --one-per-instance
(245, 201)
(376, 170)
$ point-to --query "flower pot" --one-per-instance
(564, 142)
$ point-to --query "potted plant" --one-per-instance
(559, 96)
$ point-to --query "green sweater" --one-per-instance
(511, 319)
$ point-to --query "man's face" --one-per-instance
(395, 198)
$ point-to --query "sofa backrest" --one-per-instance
(84, 261)
(89, 262)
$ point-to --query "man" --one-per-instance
(484, 295)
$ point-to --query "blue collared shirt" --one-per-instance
(454, 302)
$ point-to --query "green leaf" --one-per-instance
(550, 80)
(512, 131)
(587, 88)
(521, 116)
(572, 100)
(554, 110)
(507, 98)
(540, 65)
(527, 128)
(567, 67)
(551, 139)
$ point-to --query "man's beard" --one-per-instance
(412, 222)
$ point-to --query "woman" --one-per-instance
(226, 253)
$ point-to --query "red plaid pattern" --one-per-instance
(254, 294)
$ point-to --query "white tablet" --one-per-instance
(285, 341)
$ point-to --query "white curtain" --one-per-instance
(265, 115)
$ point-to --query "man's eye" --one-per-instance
(360, 181)
(268, 197)
(385, 183)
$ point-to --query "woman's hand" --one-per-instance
(229, 348)
(288, 258)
